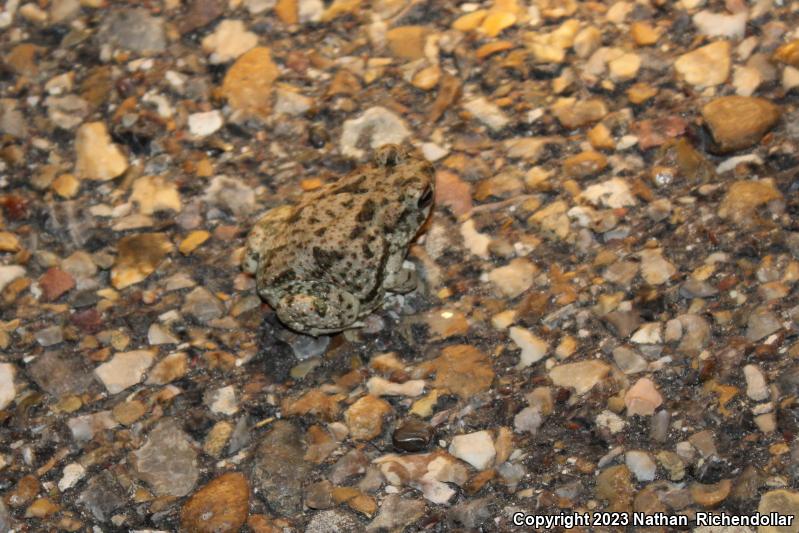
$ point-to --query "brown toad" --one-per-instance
(328, 261)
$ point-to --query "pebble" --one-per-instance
(59, 375)
(476, 448)
(711, 495)
(706, 66)
(782, 501)
(382, 387)
(640, 464)
(738, 122)
(279, 468)
(7, 389)
(756, 387)
(231, 194)
(97, 157)
(629, 361)
(133, 29)
(202, 305)
(229, 40)
(613, 193)
(66, 112)
(50, 336)
(55, 283)
(205, 124)
(413, 435)
(528, 420)
(572, 113)
(72, 473)
(695, 333)
(319, 495)
(137, 257)
(487, 113)
(744, 197)
(655, 269)
(762, 323)
(376, 127)
(407, 42)
(397, 512)
(12, 121)
(720, 25)
(248, 83)
(514, 278)
(219, 506)
(648, 333)
(124, 370)
(332, 521)
(102, 496)
(460, 369)
(642, 398)
(167, 461)
(222, 400)
(581, 376)
(533, 348)
(291, 102)
(173, 366)
(364, 418)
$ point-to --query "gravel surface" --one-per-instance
(606, 314)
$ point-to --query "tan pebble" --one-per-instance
(497, 21)
(97, 157)
(738, 122)
(706, 66)
(66, 185)
(600, 137)
(217, 438)
(643, 33)
(427, 78)
(287, 11)
(220, 506)
(41, 508)
(788, 53)
(584, 164)
(470, 21)
(8, 242)
(492, 48)
(364, 418)
(248, 83)
(709, 496)
(126, 413)
(641, 92)
(407, 42)
(192, 241)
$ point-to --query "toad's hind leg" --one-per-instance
(316, 308)
(398, 278)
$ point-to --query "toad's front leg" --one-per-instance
(314, 307)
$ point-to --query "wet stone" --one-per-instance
(167, 461)
(762, 323)
(397, 512)
(59, 374)
(102, 496)
(333, 521)
(133, 29)
(124, 370)
(413, 435)
(738, 122)
(202, 305)
(219, 506)
(279, 468)
(319, 495)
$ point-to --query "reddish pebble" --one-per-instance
(55, 282)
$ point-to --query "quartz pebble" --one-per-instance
(477, 449)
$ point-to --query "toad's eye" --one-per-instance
(426, 198)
